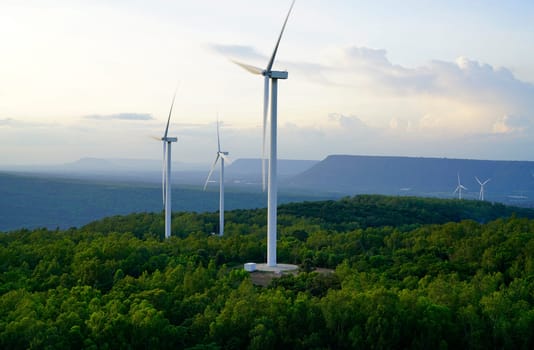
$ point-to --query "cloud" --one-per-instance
(15, 123)
(347, 122)
(241, 51)
(399, 124)
(463, 96)
(9, 122)
(472, 81)
(464, 78)
(361, 66)
(511, 124)
(121, 116)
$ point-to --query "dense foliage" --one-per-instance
(115, 284)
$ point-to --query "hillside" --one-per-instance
(511, 181)
(421, 285)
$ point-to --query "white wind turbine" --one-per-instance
(481, 194)
(222, 156)
(459, 188)
(272, 185)
(166, 173)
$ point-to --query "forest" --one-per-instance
(376, 272)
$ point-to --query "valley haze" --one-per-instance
(76, 193)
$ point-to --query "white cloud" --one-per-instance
(121, 116)
(9, 122)
(511, 124)
(461, 79)
(463, 97)
(16, 123)
(347, 122)
(241, 51)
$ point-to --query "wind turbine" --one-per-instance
(166, 173)
(222, 156)
(459, 188)
(481, 194)
(272, 185)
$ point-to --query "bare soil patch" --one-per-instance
(262, 278)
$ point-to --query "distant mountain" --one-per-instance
(511, 181)
(247, 171)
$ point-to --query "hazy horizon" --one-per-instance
(192, 165)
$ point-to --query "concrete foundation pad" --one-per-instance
(276, 269)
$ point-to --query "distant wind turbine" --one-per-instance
(273, 76)
(166, 172)
(222, 156)
(459, 188)
(481, 194)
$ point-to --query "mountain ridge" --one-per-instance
(351, 174)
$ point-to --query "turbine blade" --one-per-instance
(478, 180)
(170, 112)
(264, 140)
(248, 67)
(463, 187)
(485, 182)
(271, 61)
(218, 136)
(155, 137)
(211, 171)
(458, 178)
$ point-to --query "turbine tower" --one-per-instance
(166, 173)
(273, 77)
(481, 194)
(222, 156)
(459, 188)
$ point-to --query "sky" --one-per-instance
(400, 78)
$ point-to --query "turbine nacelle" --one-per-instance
(276, 74)
(169, 139)
(273, 74)
(482, 184)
